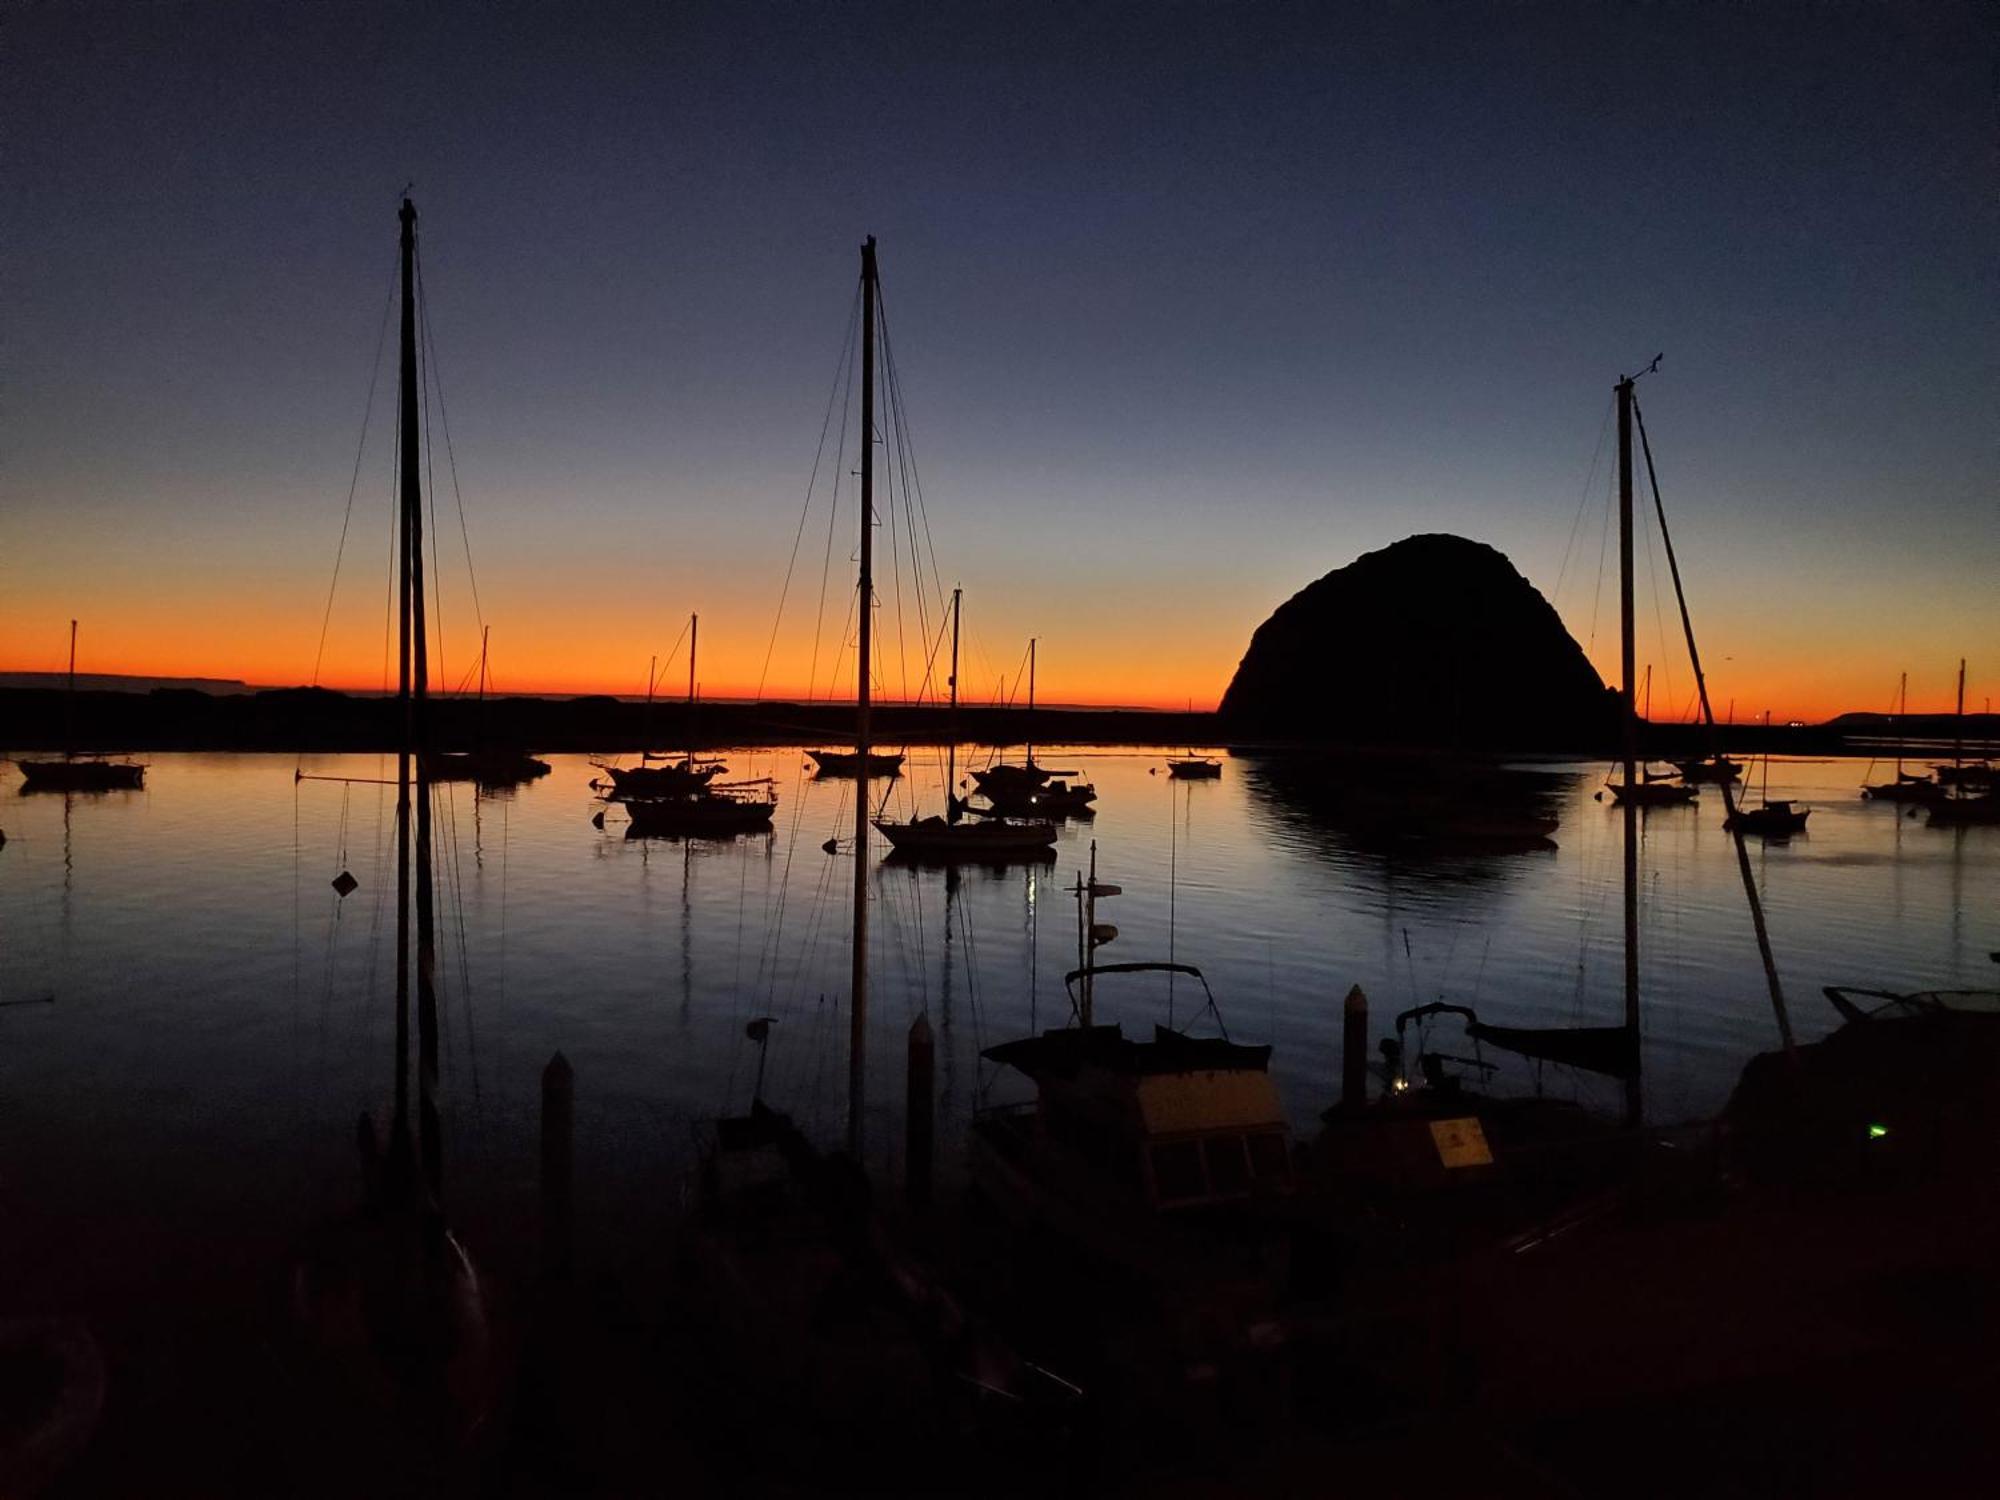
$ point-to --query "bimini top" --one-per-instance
(1068, 1052)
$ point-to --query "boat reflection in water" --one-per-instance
(1412, 805)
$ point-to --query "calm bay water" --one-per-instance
(193, 1019)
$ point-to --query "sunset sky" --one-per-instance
(1191, 304)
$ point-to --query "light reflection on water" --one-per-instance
(220, 1016)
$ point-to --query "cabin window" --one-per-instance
(1228, 1168)
(1268, 1157)
(1177, 1171)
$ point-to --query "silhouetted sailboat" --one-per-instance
(673, 776)
(1905, 787)
(1771, 820)
(948, 838)
(846, 763)
(74, 773)
(683, 799)
(1614, 1051)
(488, 766)
(824, 1317)
(1709, 768)
(389, 1295)
(1964, 805)
(1030, 790)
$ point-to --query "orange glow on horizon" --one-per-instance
(1105, 646)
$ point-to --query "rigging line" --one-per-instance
(354, 479)
(436, 579)
(1603, 541)
(1755, 902)
(812, 480)
(395, 536)
(1659, 617)
(846, 386)
(451, 459)
(914, 479)
(1582, 500)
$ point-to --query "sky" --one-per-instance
(1191, 303)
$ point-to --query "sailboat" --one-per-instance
(1964, 805)
(1612, 1051)
(1905, 787)
(881, 763)
(821, 1313)
(948, 838)
(71, 773)
(490, 767)
(683, 798)
(672, 777)
(1031, 790)
(391, 1296)
(1771, 820)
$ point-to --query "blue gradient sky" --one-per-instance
(1191, 302)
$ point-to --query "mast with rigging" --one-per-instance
(857, 1020)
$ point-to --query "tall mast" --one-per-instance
(430, 1142)
(1902, 719)
(1630, 738)
(406, 431)
(694, 639)
(1031, 702)
(951, 725)
(646, 722)
(1959, 725)
(69, 698)
(857, 1015)
(485, 643)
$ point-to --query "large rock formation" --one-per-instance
(1433, 641)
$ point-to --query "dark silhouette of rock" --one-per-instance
(1433, 641)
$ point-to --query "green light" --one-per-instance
(1876, 1132)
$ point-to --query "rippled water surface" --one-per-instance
(193, 1019)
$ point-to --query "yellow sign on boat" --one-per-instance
(1461, 1143)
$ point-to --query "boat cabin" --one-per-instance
(1181, 1122)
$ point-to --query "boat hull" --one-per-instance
(80, 776)
(676, 780)
(1768, 822)
(936, 840)
(486, 768)
(847, 763)
(700, 817)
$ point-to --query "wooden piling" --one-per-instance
(920, 1122)
(1354, 1051)
(558, 1154)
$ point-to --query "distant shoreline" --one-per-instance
(316, 719)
